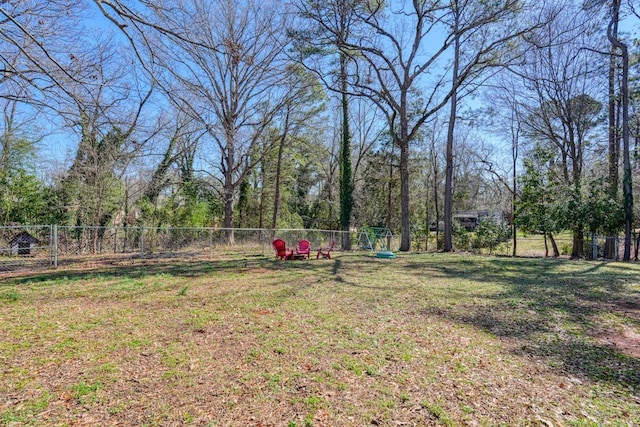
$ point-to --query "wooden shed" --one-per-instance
(23, 244)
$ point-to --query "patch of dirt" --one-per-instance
(631, 309)
(626, 341)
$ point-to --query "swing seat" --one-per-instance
(385, 254)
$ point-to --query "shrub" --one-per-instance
(489, 235)
(460, 236)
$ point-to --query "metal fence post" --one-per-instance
(210, 242)
(55, 246)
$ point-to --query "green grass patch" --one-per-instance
(82, 390)
(442, 339)
(438, 413)
(27, 412)
(9, 296)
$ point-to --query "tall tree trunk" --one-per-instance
(426, 216)
(436, 205)
(546, 245)
(636, 145)
(614, 140)
(578, 243)
(389, 198)
(627, 190)
(276, 187)
(514, 183)
(276, 195)
(228, 194)
(448, 193)
(263, 198)
(627, 184)
(554, 245)
(346, 179)
(405, 238)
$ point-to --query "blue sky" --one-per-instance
(60, 145)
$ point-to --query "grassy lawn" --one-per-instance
(424, 339)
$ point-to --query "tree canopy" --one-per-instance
(334, 114)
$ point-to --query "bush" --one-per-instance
(489, 235)
(461, 238)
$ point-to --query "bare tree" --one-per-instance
(222, 62)
(103, 110)
(388, 76)
(395, 46)
(507, 115)
(488, 34)
(38, 40)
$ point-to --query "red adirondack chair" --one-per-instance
(326, 252)
(304, 248)
(281, 249)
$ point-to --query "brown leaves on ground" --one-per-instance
(423, 340)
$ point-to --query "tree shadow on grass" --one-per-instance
(365, 265)
(559, 310)
(552, 309)
(135, 281)
(173, 268)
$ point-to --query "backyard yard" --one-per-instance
(420, 340)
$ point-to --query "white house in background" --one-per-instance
(471, 219)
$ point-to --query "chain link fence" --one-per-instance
(42, 247)
(26, 248)
(29, 248)
(594, 247)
